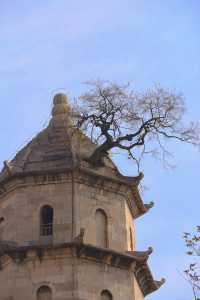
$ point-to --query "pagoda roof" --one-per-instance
(61, 147)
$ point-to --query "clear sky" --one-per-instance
(48, 46)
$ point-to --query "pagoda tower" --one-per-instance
(67, 227)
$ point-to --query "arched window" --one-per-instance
(44, 293)
(106, 295)
(46, 220)
(101, 229)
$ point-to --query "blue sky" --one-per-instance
(50, 46)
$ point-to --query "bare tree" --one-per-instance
(117, 117)
(192, 272)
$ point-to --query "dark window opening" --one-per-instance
(2, 220)
(106, 295)
(44, 293)
(46, 220)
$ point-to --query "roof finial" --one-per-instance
(61, 112)
(61, 105)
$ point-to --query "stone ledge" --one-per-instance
(134, 261)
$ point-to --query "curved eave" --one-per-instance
(145, 279)
(133, 182)
(142, 208)
(135, 203)
(136, 261)
(143, 273)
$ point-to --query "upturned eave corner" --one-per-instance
(143, 272)
(137, 206)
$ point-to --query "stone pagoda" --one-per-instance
(67, 227)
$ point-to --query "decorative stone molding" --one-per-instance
(83, 176)
(133, 261)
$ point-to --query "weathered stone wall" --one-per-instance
(137, 291)
(88, 200)
(67, 277)
(130, 229)
(21, 211)
(21, 281)
(93, 278)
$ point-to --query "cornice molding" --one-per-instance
(134, 261)
(82, 175)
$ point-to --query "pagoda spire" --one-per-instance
(61, 111)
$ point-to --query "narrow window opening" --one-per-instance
(131, 239)
(2, 220)
(101, 229)
(46, 221)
